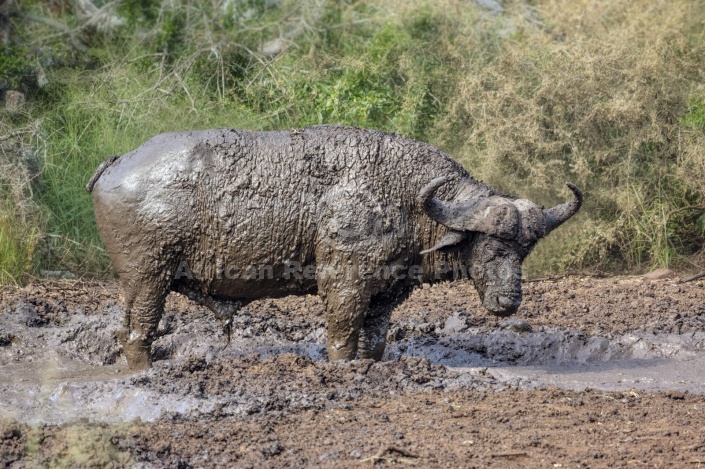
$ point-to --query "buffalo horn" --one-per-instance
(555, 216)
(436, 209)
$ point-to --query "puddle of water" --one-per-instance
(32, 391)
(687, 374)
(60, 390)
(57, 389)
(572, 361)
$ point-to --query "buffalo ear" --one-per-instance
(451, 239)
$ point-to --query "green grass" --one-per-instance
(527, 101)
(90, 116)
(18, 244)
(695, 118)
(85, 127)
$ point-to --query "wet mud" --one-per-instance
(590, 372)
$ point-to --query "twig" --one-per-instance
(47, 21)
(76, 243)
(183, 85)
(682, 209)
(542, 279)
(351, 23)
(75, 40)
(85, 128)
(693, 277)
(509, 454)
(565, 275)
(379, 455)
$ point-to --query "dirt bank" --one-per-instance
(458, 387)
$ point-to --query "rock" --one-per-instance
(516, 325)
(9, 429)
(46, 57)
(14, 100)
(660, 274)
(329, 456)
(456, 323)
(42, 79)
(675, 395)
(274, 47)
(273, 449)
(493, 6)
(28, 315)
(6, 339)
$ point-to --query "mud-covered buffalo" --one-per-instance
(184, 209)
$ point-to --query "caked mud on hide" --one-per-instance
(365, 215)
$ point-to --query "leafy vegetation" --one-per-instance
(605, 94)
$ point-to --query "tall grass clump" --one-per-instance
(20, 216)
(595, 92)
(353, 64)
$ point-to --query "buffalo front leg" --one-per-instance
(224, 310)
(373, 335)
(346, 300)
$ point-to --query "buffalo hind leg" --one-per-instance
(224, 310)
(144, 305)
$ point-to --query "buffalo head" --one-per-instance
(494, 234)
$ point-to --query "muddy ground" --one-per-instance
(591, 373)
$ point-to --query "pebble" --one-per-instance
(14, 100)
(516, 325)
(660, 274)
(675, 395)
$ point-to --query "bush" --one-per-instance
(605, 94)
(596, 93)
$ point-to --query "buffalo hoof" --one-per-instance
(137, 352)
(375, 353)
(342, 353)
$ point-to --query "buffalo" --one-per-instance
(357, 216)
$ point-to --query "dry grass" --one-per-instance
(20, 220)
(593, 91)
